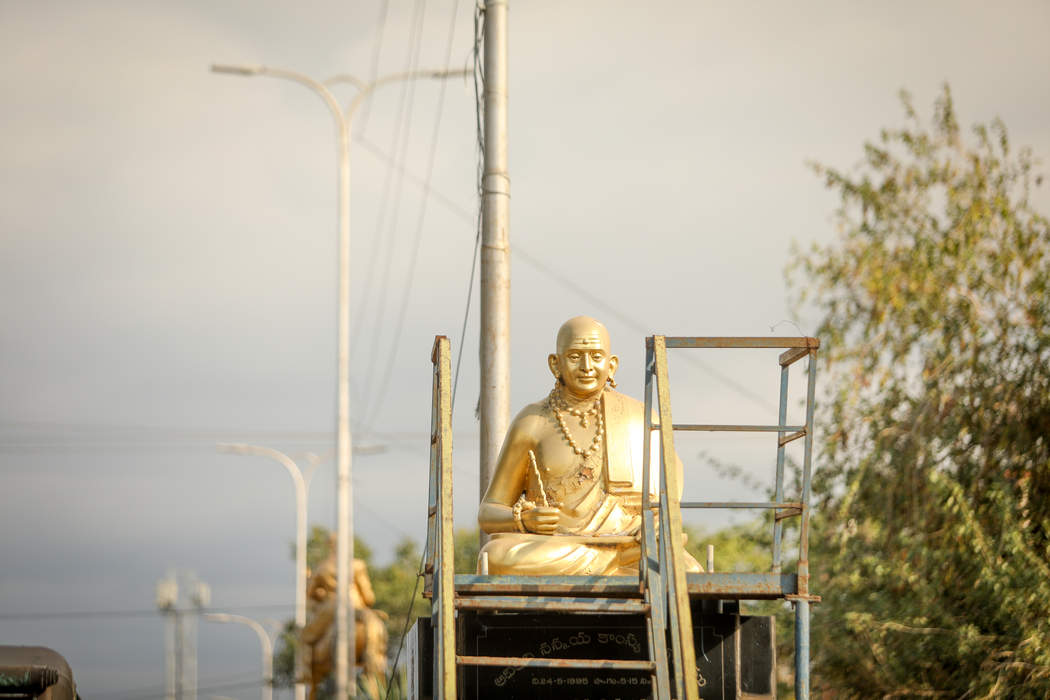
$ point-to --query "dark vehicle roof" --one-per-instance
(35, 672)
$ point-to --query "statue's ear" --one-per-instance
(614, 362)
(552, 362)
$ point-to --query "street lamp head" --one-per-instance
(442, 74)
(236, 70)
(232, 447)
(216, 617)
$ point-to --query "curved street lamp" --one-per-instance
(264, 640)
(344, 662)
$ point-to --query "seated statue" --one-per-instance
(317, 657)
(565, 496)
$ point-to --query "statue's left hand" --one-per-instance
(542, 520)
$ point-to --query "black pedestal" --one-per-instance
(733, 652)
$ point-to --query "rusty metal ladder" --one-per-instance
(670, 549)
(445, 599)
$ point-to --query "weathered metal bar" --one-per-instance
(647, 522)
(791, 438)
(789, 513)
(444, 630)
(651, 584)
(738, 504)
(778, 527)
(678, 595)
(791, 356)
(741, 586)
(551, 604)
(801, 650)
(432, 508)
(728, 585)
(715, 428)
(760, 342)
(803, 546)
(531, 662)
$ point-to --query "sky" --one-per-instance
(168, 269)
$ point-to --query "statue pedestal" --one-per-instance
(735, 654)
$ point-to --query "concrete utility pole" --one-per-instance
(345, 682)
(495, 246)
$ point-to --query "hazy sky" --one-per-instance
(168, 266)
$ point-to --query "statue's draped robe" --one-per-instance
(598, 536)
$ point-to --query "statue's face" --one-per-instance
(583, 363)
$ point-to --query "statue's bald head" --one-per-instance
(583, 332)
(583, 361)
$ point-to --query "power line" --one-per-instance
(241, 685)
(154, 689)
(520, 253)
(376, 48)
(91, 614)
(415, 48)
(418, 236)
(384, 200)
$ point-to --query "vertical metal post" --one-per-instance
(189, 656)
(801, 650)
(179, 667)
(344, 659)
(803, 542)
(670, 535)
(802, 606)
(651, 583)
(444, 579)
(495, 248)
(170, 664)
(778, 524)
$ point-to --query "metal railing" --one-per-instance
(670, 550)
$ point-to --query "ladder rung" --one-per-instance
(739, 504)
(524, 661)
(549, 604)
(679, 341)
(789, 356)
(709, 428)
(788, 513)
(792, 437)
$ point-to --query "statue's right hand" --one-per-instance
(542, 520)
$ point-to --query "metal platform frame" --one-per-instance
(662, 590)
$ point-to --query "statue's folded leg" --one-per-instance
(551, 555)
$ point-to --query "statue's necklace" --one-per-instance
(558, 405)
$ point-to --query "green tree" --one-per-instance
(931, 543)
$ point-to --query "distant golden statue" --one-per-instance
(565, 497)
(318, 635)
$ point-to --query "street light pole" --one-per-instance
(264, 640)
(302, 485)
(344, 662)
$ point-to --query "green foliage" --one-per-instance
(738, 548)
(931, 545)
(466, 551)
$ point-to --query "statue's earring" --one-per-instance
(612, 382)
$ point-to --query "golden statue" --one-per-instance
(565, 497)
(318, 635)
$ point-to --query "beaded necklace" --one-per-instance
(558, 405)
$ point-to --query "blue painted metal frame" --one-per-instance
(779, 586)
